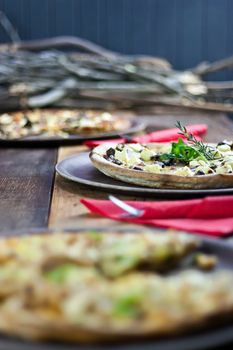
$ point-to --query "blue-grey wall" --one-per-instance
(183, 31)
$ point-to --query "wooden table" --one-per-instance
(34, 198)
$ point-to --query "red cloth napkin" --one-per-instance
(166, 135)
(211, 215)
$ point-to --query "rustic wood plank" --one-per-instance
(26, 179)
(219, 126)
(66, 210)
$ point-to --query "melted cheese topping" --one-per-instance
(56, 123)
(106, 281)
(141, 158)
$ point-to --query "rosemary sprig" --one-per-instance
(184, 152)
(181, 152)
(199, 146)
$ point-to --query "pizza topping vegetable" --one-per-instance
(185, 158)
(205, 262)
(198, 148)
(57, 122)
(151, 300)
(79, 286)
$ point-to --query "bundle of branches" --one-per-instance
(35, 74)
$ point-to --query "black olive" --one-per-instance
(161, 164)
(155, 157)
(116, 161)
(137, 168)
(213, 167)
(120, 147)
(224, 143)
(200, 172)
(28, 123)
(111, 158)
(110, 152)
(169, 162)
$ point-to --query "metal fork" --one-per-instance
(130, 211)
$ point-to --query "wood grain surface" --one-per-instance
(66, 209)
(26, 185)
(26, 181)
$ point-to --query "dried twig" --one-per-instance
(206, 67)
(100, 79)
(52, 77)
(9, 28)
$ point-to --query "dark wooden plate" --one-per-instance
(79, 168)
(40, 140)
(217, 337)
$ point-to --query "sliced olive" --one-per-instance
(169, 162)
(137, 168)
(28, 123)
(120, 147)
(116, 161)
(110, 152)
(200, 172)
(155, 157)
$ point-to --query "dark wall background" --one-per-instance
(183, 31)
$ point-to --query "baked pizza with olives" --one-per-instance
(59, 122)
(90, 287)
(183, 164)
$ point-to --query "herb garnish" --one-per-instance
(184, 152)
(128, 305)
(205, 150)
(60, 273)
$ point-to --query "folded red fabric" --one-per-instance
(166, 135)
(211, 215)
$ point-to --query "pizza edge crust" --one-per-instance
(143, 178)
(29, 325)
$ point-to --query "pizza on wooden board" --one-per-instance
(183, 164)
(96, 287)
(59, 122)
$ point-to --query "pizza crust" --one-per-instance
(28, 325)
(147, 179)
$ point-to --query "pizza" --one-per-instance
(171, 165)
(59, 122)
(98, 287)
